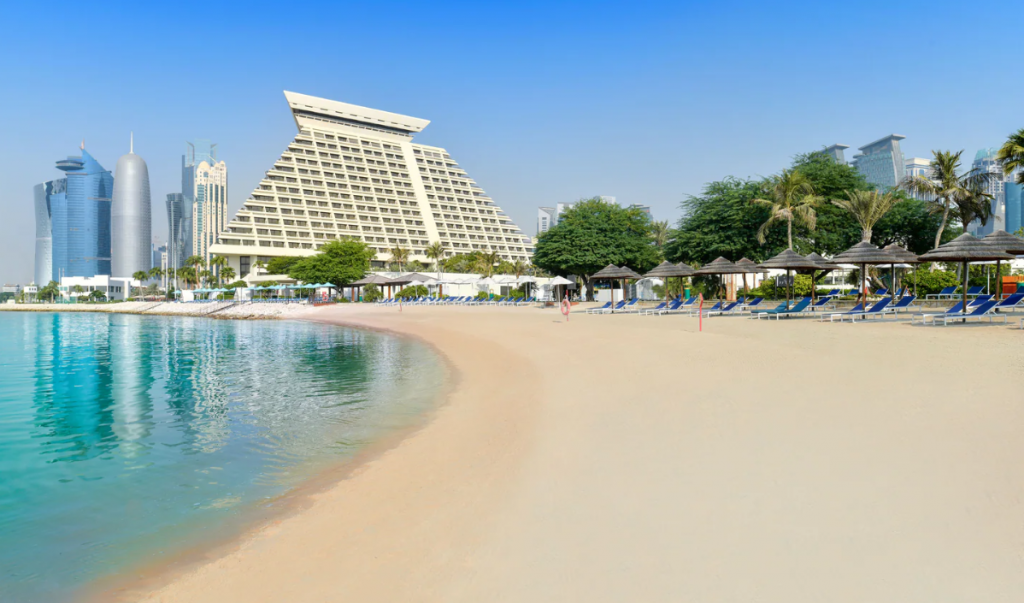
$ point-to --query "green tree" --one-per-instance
(592, 234)
(281, 264)
(912, 224)
(485, 263)
(946, 187)
(155, 273)
(659, 233)
(339, 262)
(187, 275)
(867, 207)
(141, 276)
(399, 256)
(1011, 155)
(97, 296)
(217, 263)
(791, 199)
(227, 273)
(50, 290)
(436, 252)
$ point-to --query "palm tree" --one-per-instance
(205, 276)
(399, 255)
(187, 275)
(485, 262)
(867, 207)
(228, 273)
(155, 273)
(946, 188)
(140, 275)
(1011, 155)
(974, 203)
(792, 199)
(659, 232)
(218, 262)
(436, 252)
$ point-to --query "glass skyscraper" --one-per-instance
(1014, 206)
(882, 162)
(204, 184)
(77, 208)
(179, 235)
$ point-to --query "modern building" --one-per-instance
(985, 161)
(43, 194)
(118, 288)
(131, 216)
(159, 260)
(78, 210)
(836, 152)
(204, 185)
(918, 166)
(354, 172)
(1014, 203)
(179, 231)
(546, 218)
(644, 208)
(882, 162)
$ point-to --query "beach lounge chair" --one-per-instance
(606, 306)
(905, 303)
(695, 309)
(955, 309)
(1010, 302)
(732, 308)
(978, 300)
(781, 306)
(618, 306)
(881, 292)
(975, 291)
(946, 293)
(833, 293)
(985, 310)
(821, 303)
(751, 304)
(664, 308)
(778, 313)
(858, 309)
(875, 310)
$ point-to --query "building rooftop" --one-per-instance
(881, 140)
(303, 103)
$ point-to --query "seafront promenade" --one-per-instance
(615, 458)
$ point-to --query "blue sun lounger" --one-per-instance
(985, 310)
(876, 310)
(946, 293)
(955, 309)
(975, 291)
(801, 307)
(663, 308)
(821, 303)
(747, 307)
(732, 308)
(606, 306)
(858, 309)
(1010, 302)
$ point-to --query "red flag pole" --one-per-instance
(700, 311)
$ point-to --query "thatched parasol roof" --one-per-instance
(373, 279)
(1005, 241)
(901, 255)
(863, 253)
(749, 266)
(822, 263)
(668, 269)
(721, 266)
(965, 248)
(611, 271)
(790, 260)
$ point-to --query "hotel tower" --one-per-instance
(354, 172)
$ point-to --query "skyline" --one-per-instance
(544, 104)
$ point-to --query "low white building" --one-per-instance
(113, 287)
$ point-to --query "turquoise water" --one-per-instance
(125, 439)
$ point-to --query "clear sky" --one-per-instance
(540, 102)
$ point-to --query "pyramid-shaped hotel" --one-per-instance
(354, 172)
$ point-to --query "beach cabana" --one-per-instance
(749, 267)
(790, 260)
(900, 255)
(965, 249)
(863, 254)
(667, 270)
(720, 267)
(1012, 245)
(611, 272)
(372, 279)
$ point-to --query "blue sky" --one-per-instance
(540, 102)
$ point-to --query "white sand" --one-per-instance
(620, 458)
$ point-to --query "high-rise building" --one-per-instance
(985, 161)
(204, 184)
(836, 152)
(78, 208)
(1014, 202)
(644, 208)
(882, 162)
(131, 216)
(918, 166)
(545, 219)
(43, 194)
(179, 231)
(354, 172)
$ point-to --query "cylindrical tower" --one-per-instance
(131, 217)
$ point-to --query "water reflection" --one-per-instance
(123, 435)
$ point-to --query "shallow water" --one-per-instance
(124, 439)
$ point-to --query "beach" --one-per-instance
(627, 458)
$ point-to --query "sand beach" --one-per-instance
(627, 458)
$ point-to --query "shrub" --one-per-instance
(931, 281)
(372, 293)
(410, 292)
(483, 295)
(517, 294)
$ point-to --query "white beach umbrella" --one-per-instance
(558, 280)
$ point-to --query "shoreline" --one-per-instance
(623, 458)
(216, 310)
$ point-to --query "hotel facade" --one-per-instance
(354, 172)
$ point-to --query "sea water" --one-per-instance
(125, 439)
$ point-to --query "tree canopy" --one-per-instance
(338, 263)
(594, 233)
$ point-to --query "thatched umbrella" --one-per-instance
(749, 267)
(900, 255)
(373, 279)
(825, 266)
(790, 260)
(720, 267)
(666, 270)
(611, 272)
(965, 249)
(865, 254)
(1012, 245)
